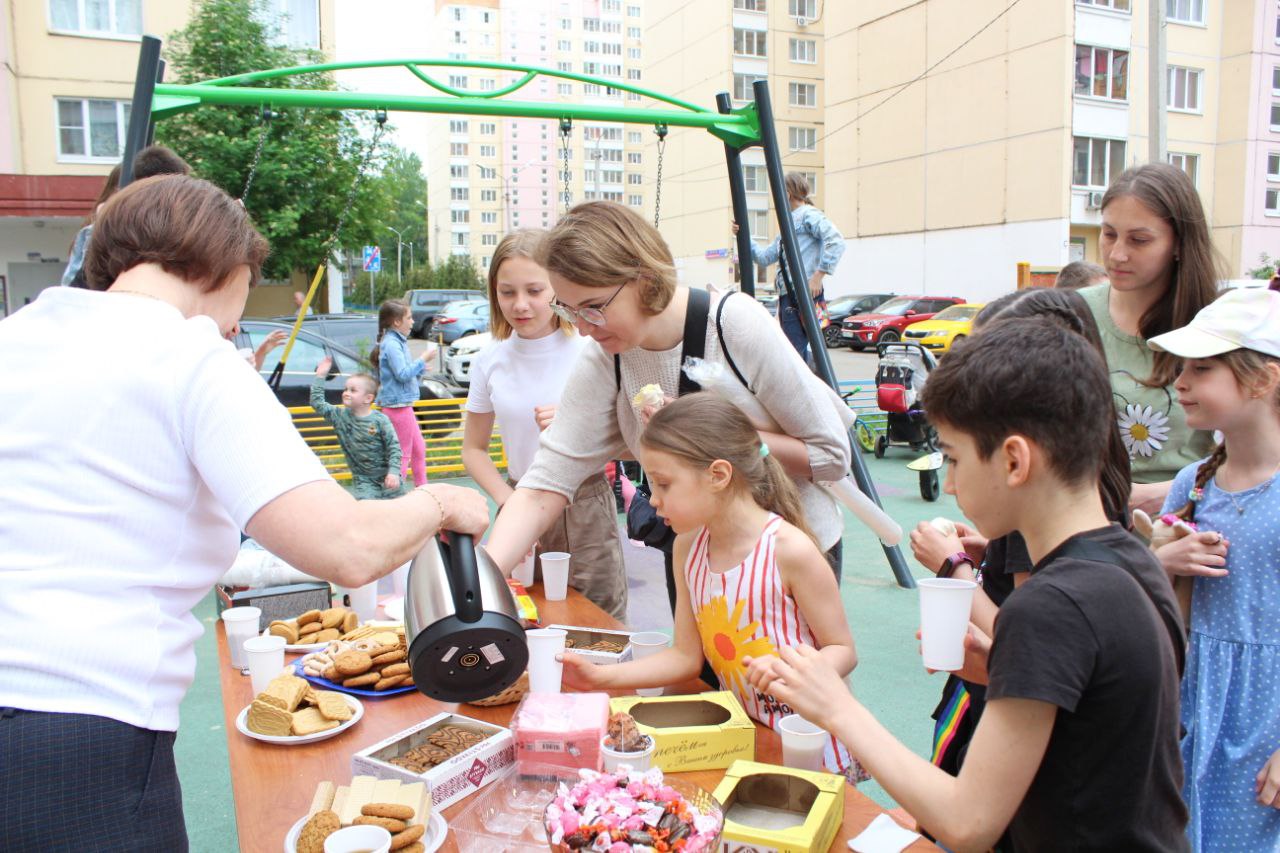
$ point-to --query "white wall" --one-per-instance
(977, 264)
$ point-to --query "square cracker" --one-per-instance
(309, 721)
(332, 706)
(285, 692)
(268, 719)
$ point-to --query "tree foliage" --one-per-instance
(458, 272)
(309, 158)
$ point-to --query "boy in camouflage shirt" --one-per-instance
(367, 438)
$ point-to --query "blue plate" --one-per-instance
(355, 691)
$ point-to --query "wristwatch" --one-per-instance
(950, 564)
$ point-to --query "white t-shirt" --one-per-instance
(510, 377)
(134, 445)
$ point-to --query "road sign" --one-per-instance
(372, 259)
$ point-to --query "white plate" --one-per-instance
(432, 839)
(243, 717)
(298, 647)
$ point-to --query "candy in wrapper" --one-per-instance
(649, 395)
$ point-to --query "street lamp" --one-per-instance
(399, 243)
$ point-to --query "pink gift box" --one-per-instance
(562, 729)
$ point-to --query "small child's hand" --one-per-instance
(579, 673)
(803, 679)
(322, 369)
(543, 415)
(931, 546)
(760, 672)
(391, 482)
(1267, 782)
(977, 649)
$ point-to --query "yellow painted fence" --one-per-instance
(439, 420)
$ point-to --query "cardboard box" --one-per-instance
(779, 809)
(705, 731)
(460, 776)
(561, 729)
(588, 636)
(276, 602)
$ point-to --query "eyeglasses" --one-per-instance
(592, 315)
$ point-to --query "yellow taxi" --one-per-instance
(945, 328)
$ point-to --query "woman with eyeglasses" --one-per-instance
(614, 278)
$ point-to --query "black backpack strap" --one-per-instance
(695, 336)
(724, 348)
(617, 373)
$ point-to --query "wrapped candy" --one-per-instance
(628, 811)
(649, 395)
(713, 377)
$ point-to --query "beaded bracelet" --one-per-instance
(426, 488)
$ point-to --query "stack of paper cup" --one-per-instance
(240, 623)
(523, 572)
(555, 575)
(265, 656)
(802, 743)
(545, 644)
(643, 644)
(944, 620)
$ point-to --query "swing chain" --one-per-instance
(661, 131)
(566, 131)
(381, 118)
(267, 116)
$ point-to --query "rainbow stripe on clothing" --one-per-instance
(945, 731)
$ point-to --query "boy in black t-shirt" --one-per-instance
(1078, 746)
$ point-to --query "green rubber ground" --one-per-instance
(889, 678)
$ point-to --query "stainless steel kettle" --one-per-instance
(461, 623)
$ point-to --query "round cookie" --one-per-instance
(362, 680)
(321, 825)
(384, 649)
(386, 683)
(401, 840)
(352, 663)
(395, 669)
(309, 616)
(389, 824)
(309, 628)
(332, 618)
(350, 622)
(388, 658)
(415, 847)
(325, 636)
(391, 810)
(284, 629)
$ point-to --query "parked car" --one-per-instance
(887, 322)
(947, 326)
(308, 351)
(846, 306)
(769, 299)
(459, 319)
(356, 332)
(459, 355)
(425, 304)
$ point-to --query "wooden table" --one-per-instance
(273, 785)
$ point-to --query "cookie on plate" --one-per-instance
(285, 691)
(268, 719)
(321, 825)
(332, 706)
(325, 636)
(352, 663)
(388, 823)
(391, 810)
(284, 629)
(309, 616)
(408, 836)
(332, 618)
(363, 680)
(310, 721)
(388, 683)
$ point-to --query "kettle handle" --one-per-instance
(464, 575)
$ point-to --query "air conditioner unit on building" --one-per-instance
(802, 21)
(1093, 201)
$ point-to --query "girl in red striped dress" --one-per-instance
(754, 580)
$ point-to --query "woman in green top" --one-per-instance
(1161, 265)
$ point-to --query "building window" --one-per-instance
(802, 94)
(488, 128)
(490, 239)
(611, 70)
(91, 129)
(488, 195)
(460, 239)
(458, 81)
(457, 125)
(1273, 166)
(564, 45)
(633, 11)
(458, 172)
(633, 32)
(1184, 88)
(487, 84)
(635, 200)
(1275, 80)
(611, 27)
(1096, 161)
(749, 42)
(1275, 117)
(564, 66)
(457, 13)
(459, 217)
(457, 149)
(591, 25)
(742, 86)
(758, 223)
(1118, 5)
(749, 5)
(633, 73)
(564, 88)
(812, 178)
(488, 151)
(1185, 11)
(804, 50)
(634, 158)
(1272, 202)
(633, 53)
(755, 179)
(459, 194)
(612, 6)
(802, 138)
(591, 47)
(566, 23)
(635, 178)
(1189, 163)
(457, 37)
(488, 217)
(1102, 72)
(100, 17)
(634, 137)
(802, 8)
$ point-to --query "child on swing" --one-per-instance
(750, 578)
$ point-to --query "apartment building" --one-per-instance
(66, 77)
(967, 137)
(712, 46)
(487, 176)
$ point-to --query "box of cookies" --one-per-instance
(597, 644)
(453, 754)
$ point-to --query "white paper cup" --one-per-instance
(802, 743)
(643, 644)
(265, 657)
(240, 623)
(555, 575)
(400, 580)
(523, 572)
(613, 759)
(364, 600)
(944, 620)
(358, 839)
(544, 670)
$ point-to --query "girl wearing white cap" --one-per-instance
(1230, 381)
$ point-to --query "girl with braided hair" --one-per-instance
(1230, 381)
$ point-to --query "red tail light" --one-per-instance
(444, 321)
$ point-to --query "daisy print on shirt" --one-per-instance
(1144, 425)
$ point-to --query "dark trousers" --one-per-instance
(789, 316)
(834, 557)
(81, 782)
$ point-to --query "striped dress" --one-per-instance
(744, 611)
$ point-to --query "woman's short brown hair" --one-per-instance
(518, 244)
(604, 244)
(188, 227)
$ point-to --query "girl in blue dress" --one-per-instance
(1230, 381)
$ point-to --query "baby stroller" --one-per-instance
(900, 378)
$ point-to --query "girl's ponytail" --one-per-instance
(1204, 474)
(776, 492)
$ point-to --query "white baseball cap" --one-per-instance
(1244, 318)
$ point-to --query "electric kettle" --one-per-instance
(461, 625)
